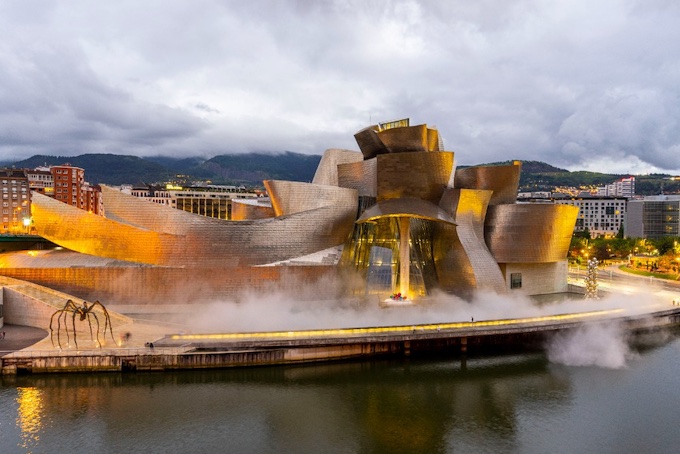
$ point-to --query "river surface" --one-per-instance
(511, 403)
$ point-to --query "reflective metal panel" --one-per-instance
(327, 172)
(289, 197)
(199, 241)
(463, 260)
(242, 210)
(502, 180)
(403, 140)
(362, 176)
(89, 233)
(418, 175)
(369, 142)
(529, 233)
(406, 207)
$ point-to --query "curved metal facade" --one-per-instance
(502, 180)
(418, 175)
(396, 207)
(242, 210)
(404, 140)
(463, 261)
(406, 207)
(290, 197)
(169, 237)
(362, 176)
(530, 233)
(327, 172)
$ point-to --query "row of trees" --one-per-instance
(663, 253)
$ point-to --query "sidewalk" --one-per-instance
(18, 337)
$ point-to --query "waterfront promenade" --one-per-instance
(203, 351)
(142, 345)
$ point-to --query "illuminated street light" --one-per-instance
(27, 224)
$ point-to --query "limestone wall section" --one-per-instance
(538, 278)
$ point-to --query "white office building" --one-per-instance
(601, 216)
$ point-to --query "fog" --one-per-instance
(600, 344)
(305, 308)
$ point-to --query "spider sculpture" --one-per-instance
(84, 312)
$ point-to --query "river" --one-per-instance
(524, 403)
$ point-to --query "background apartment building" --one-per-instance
(65, 183)
(624, 187)
(16, 201)
(71, 188)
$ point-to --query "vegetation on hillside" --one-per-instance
(251, 168)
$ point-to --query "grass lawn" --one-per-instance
(672, 277)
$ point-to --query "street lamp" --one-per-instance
(27, 224)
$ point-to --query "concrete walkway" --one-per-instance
(18, 337)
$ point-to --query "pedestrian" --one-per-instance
(3, 335)
(473, 319)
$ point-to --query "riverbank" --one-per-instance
(209, 351)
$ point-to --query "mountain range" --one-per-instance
(249, 169)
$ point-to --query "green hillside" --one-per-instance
(251, 168)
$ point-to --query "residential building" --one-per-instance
(71, 188)
(624, 187)
(16, 201)
(41, 180)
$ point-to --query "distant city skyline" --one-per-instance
(581, 86)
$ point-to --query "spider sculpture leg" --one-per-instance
(107, 320)
(58, 313)
(90, 324)
(73, 321)
(97, 320)
(69, 307)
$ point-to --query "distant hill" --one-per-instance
(251, 168)
(248, 168)
(260, 166)
(106, 168)
(531, 166)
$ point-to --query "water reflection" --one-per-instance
(506, 403)
(381, 406)
(30, 416)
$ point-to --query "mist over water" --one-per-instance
(601, 344)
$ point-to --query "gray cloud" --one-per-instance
(579, 85)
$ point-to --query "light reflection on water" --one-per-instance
(29, 419)
(519, 403)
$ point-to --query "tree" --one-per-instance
(665, 244)
(620, 233)
(585, 233)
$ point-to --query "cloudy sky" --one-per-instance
(577, 84)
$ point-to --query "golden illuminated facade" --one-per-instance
(398, 213)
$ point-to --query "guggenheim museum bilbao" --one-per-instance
(396, 217)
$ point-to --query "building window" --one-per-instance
(515, 280)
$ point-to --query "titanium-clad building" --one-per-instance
(396, 214)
